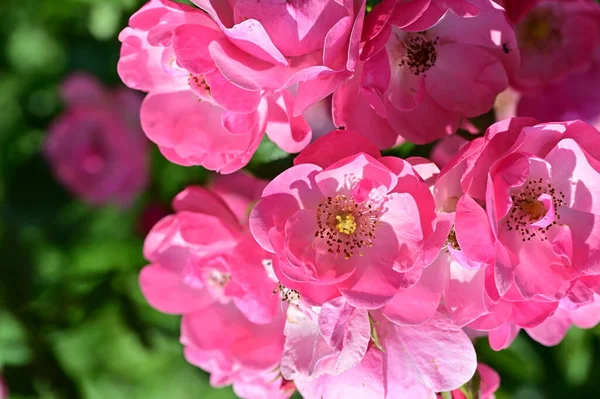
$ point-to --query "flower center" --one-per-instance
(199, 86)
(346, 226)
(451, 241)
(218, 279)
(418, 53)
(540, 30)
(527, 209)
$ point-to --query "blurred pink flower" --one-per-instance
(3, 389)
(96, 147)
(556, 38)
(576, 97)
(421, 85)
(346, 220)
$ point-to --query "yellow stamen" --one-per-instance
(346, 224)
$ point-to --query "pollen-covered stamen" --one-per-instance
(527, 209)
(199, 86)
(540, 30)
(451, 241)
(346, 226)
(418, 53)
(288, 295)
(218, 279)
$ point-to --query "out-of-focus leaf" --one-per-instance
(575, 354)
(31, 49)
(104, 20)
(519, 361)
(13, 342)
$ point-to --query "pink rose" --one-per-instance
(421, 85)
(536, 184)
(345, 220)
(96, 147)
(206, 266)
(556, 38)
(525, 213)
(204, 254)
(193, 112)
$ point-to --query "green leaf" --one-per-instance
(374, 335)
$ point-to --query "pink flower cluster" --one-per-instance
(96, 147)
(352, 273)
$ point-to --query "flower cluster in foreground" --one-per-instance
(354, 273)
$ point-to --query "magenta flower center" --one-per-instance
(527, 209)
(540, 30)
(418, 53)
(346, 226)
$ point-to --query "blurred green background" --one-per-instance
(73, 323)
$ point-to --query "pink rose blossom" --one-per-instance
(193, 112)
(345, 220)
(556, 38)
(524, 197)
(206, 266)
(421, 85)
(204, 254)
(96, 147)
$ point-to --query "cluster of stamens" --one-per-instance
(219, 279)
(346, 226)
(198, 84)
(288, 295)
(451, 241)
(418, 53)
(540, 30)
(528, 209)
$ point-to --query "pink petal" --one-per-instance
(335, 146)
(166, 291)
(418, 304)
(290, 133)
